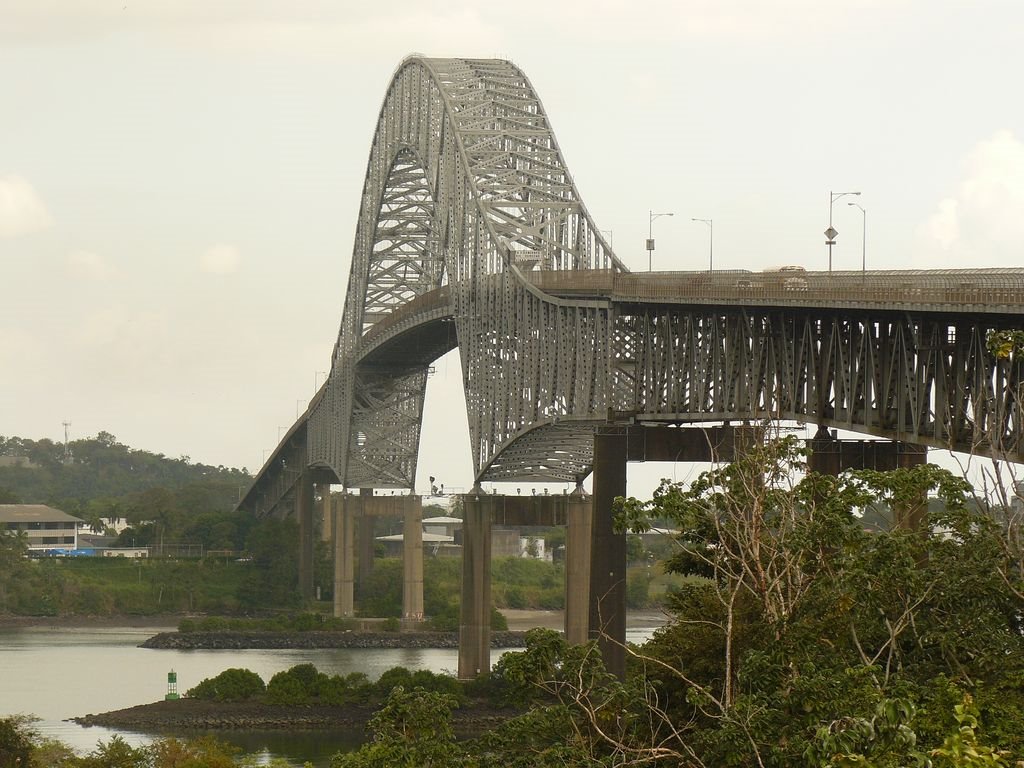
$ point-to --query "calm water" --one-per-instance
(57, 674)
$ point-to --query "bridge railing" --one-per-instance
(427, 302)
(788, 288)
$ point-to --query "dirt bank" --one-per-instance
(522, 620)
(198, 715)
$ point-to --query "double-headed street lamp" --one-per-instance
(863, 242)
(650, 236)
(711, 243)
(830, 233)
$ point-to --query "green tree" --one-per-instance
(230, 685)
(805, 621)
(411, 730)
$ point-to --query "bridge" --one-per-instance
(472, 236)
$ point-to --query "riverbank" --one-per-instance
(518, 620)
(199, 715)
(161, 622)
(270, 640)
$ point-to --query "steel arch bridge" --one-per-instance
(472, 235)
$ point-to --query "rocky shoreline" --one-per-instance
(200, 715)
(237, 641)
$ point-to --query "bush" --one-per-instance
(498, 621)
(354, 688)
(299, 685)
(422, 679)
(16, 737)
(637, 586)
(230, 685)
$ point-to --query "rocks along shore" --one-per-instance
(316, 639)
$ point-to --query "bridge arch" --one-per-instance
(466, 190)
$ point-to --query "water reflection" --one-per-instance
(60, 673)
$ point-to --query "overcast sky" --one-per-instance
(179, 179)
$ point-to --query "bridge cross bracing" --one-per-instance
(472, 236)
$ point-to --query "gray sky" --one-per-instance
(179, 179)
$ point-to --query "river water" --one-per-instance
(59, 673)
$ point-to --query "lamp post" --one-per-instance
(830, 233)
(650, 235)
(711, 243)
(863, 242)
(611, 237)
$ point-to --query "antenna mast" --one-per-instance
(67, 449)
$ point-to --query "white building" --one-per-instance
(45, 528)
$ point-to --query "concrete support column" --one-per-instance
(323, 490)
(304, 514)
(579, 515)
(412, 562)
(344, 527)
(831, 456)
(607, 621)
(475, 611)
(364, 531)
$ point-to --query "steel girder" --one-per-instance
(916, 377)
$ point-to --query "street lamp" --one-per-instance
(863, 242)
(650, 235)
(711, 243)
(830, 233)
(611, 237)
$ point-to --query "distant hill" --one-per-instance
(103, 478)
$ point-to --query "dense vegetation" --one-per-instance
(304, 685)
(21, 746)
(801, 640)
(166, 501)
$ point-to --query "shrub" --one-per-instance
(298, 685)
(354, 688)
(230, 685)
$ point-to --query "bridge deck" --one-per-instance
(998, 291)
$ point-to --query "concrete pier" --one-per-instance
(412, 562)
(304, 515)
(831, 456)
(579, 519)
(475, 614)
(344, 526)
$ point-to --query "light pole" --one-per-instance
(863, 242)
(830, 234)
(650, 235)
(611, 237)
(711, 243)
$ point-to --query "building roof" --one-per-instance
(442, 520)
(428, 538)
(34, 513)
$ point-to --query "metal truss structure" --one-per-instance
(471, 234)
